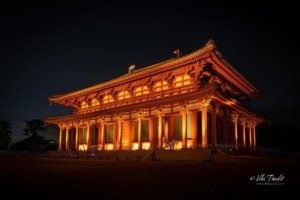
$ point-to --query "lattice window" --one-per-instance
(108, 99)
(142, 90)
(123, 95)
(95, 102)
(84, 105)
(182, 80)
(160, 85)
(82, 136)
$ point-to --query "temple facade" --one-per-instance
(191, 101)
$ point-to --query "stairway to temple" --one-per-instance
(111, 155)
(183, 155)
(204, 155)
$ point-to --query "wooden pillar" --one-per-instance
(67, 139)
(115, 136)
(131, 134)
(88, 137)
(119, 141)
(60, 138)
(99, 136)
(77, 138)
(254, 136)
(151, 133)
(204, 106)
(250, 136)
(194, 129)
(140, 131)
(204, 127)
(102, 134)
(214, 128)
(236, 130)
(160, 126)
(183, 126)
(244, 132)
(166, 128)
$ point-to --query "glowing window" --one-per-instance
(135, 146)
(160, 85)
(138, 91)
(109, 147)
(84, 105)
(146, 145)
(95, 102)
(182, 80)
(108, 99)
(82, 147)
(178, 145)
(123, 95)
(82, 136)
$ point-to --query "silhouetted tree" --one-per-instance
(34, 127)
(5, 134)
(35, 141)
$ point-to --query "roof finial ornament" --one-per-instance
(177, 52)
(130, 69)
(210, 41)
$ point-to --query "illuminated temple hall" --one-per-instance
(191, 101)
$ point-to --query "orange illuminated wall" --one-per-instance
(125, 134)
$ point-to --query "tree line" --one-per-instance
(35, 141)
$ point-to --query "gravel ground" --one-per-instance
(52, 178)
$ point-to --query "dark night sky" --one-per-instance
(57, 48)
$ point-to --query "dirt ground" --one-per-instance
(53, 178)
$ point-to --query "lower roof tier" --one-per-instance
(208, 97)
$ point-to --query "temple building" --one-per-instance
(190, 101)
